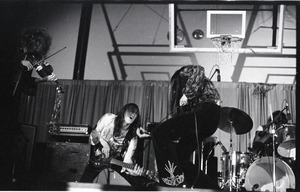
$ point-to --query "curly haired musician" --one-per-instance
(115, 136)
(178, 137)
(17, 80)
(35, 44)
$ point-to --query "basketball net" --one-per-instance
(227, 46)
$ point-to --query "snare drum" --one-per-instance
(259, 176)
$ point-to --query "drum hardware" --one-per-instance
(232, 119)
(235, 175)
(286, 138)
(272, 131)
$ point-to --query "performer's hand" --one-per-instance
(98, 152)
(105, 150)
(137, 171)
(142, 133)
(27, 64)
(183, 100)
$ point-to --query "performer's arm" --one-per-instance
(102, 133)
(29, 67)
(128, 158)
(130, 151)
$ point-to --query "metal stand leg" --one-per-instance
(274, 159)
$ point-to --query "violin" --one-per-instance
(43, 68)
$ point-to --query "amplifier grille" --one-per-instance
(75, 129)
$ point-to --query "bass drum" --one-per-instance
(259, 176)
(110, 177)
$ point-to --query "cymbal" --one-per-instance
(233, 118)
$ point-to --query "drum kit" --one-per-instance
(244, 171)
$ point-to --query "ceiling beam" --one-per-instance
(164, 1)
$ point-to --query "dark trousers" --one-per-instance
(175, 140)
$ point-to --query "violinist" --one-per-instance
(32, 47)
(35, 44)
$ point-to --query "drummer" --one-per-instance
(262, 142)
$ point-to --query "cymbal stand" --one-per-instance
(231, 182)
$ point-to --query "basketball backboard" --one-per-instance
(217, 20)
(225, 22)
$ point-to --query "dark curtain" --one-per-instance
(85, 101)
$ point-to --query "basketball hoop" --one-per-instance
(227, 45)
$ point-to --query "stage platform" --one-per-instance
(74, 186)
(93, 187)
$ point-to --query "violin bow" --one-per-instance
(50, 56)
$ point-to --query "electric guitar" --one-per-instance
(100, 161)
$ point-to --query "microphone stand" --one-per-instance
(273, 131)
(273, 157)
(231, 175)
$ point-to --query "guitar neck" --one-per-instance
(126, 165)
(99, 161)
(122, 164)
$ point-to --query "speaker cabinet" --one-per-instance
(66, 161)
(29, 135)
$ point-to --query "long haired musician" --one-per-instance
(196, 116)
(115, 139)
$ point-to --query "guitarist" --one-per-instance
(116, 136)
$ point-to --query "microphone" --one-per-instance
(288, 113)
(218, 76)
(218, 142)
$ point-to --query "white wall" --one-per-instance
(148, 24)
(152, 28)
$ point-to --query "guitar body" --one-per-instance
(110, 177)
(100, 162)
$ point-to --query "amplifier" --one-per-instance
(72, 133)
(81, 129)
(75, 129)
